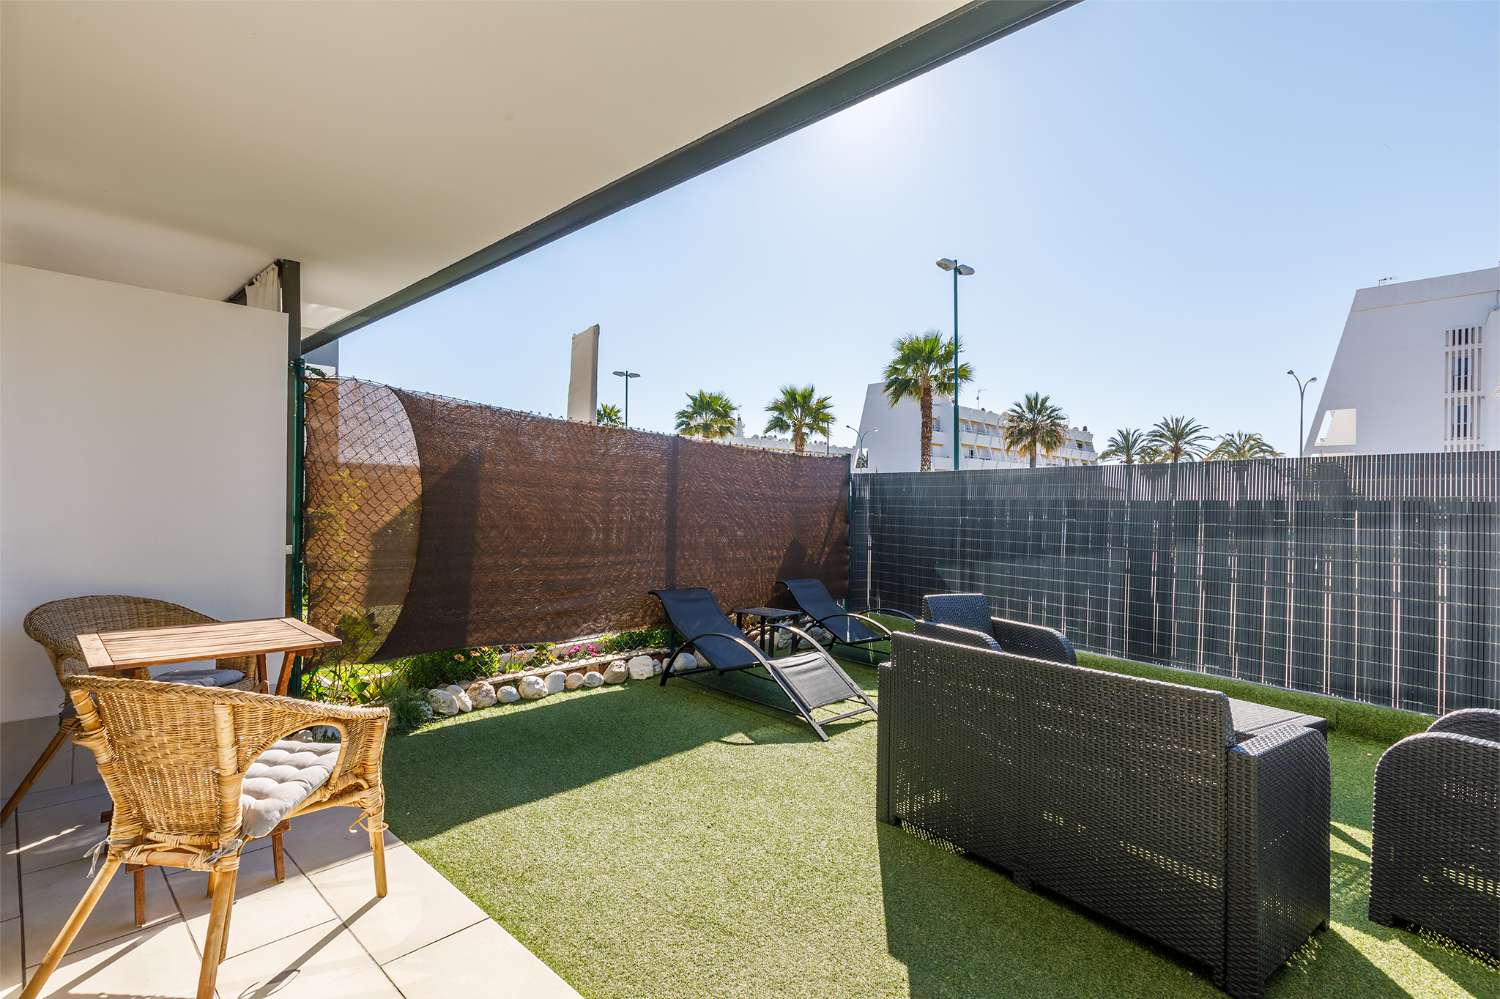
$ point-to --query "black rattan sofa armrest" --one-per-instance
(1277, 809)
(960, 636)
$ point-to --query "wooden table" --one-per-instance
(131, 653)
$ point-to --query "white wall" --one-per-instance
(1389, 364)
(142, 451)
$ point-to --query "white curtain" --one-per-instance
(264, 290)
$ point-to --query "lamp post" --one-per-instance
(859, 435)
(949, 264)
(627, 375)
(1301, 410)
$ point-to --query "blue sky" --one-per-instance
(1168, 205)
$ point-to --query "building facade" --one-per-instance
(814, 445)
(1416, 370)
(890, 437)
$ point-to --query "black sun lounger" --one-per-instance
(807, 680)
(847, 628)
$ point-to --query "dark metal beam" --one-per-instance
(947, 38)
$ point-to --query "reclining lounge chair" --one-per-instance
(847, 628)
(965, 618)
(808, 680)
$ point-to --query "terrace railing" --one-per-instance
(1372, 577)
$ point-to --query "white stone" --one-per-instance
(574, 681)
(616, 673)
(593, 678)
(443, 702)
(532, 687)
(557, 682)
(481, 693)
(684, 663)
(642, 668)
(507, 694)
(783, 639)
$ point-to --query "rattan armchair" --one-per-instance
(174, 758)
(56, 625)
(1435, 847)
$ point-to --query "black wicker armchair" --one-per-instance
(965, 618)
(1435, 854)
(1128, 796)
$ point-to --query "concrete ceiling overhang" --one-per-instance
(389, 146)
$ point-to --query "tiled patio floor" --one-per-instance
(320, 933)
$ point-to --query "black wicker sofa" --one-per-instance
(1127, 796)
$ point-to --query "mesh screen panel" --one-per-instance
(435, 523)
(1375, 577)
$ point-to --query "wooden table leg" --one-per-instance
(139, 873)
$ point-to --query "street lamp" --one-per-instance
(627, 375)
(949, 264)
(1301, 410)
(859, 435)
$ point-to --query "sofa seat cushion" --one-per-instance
(199, 676)
(280, 779)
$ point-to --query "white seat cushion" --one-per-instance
(280, 779)
(199, 676)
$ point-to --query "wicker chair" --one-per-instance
(179, 762)
(56, 626)
(1435, 851)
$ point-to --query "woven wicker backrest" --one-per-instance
(57, 624)
(172, 755)
(963, 610)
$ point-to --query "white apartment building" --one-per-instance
(891, 436)
(814, 445)
(1413, 372)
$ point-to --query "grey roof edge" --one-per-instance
(960, 31)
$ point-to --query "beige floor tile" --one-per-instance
(419, 908)
(10, 905)
(447, 968)
(156, 963)
(51, 895)
(61, 832)
(10, 953)
(322, 839)
(264, 911)
(315, 964)
(58, 795)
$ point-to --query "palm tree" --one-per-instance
(1127, 446)
(1034, 424)
(1242, 445)
(1178, 438)
(922, 367)
(709, 415)
(608, 415)
(800, 411)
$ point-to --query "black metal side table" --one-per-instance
(767, 616)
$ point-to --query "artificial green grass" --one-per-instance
(662, 842)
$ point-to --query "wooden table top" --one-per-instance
(141, 647)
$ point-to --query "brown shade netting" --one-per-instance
(435, 523)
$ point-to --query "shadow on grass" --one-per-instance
(486, 762)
